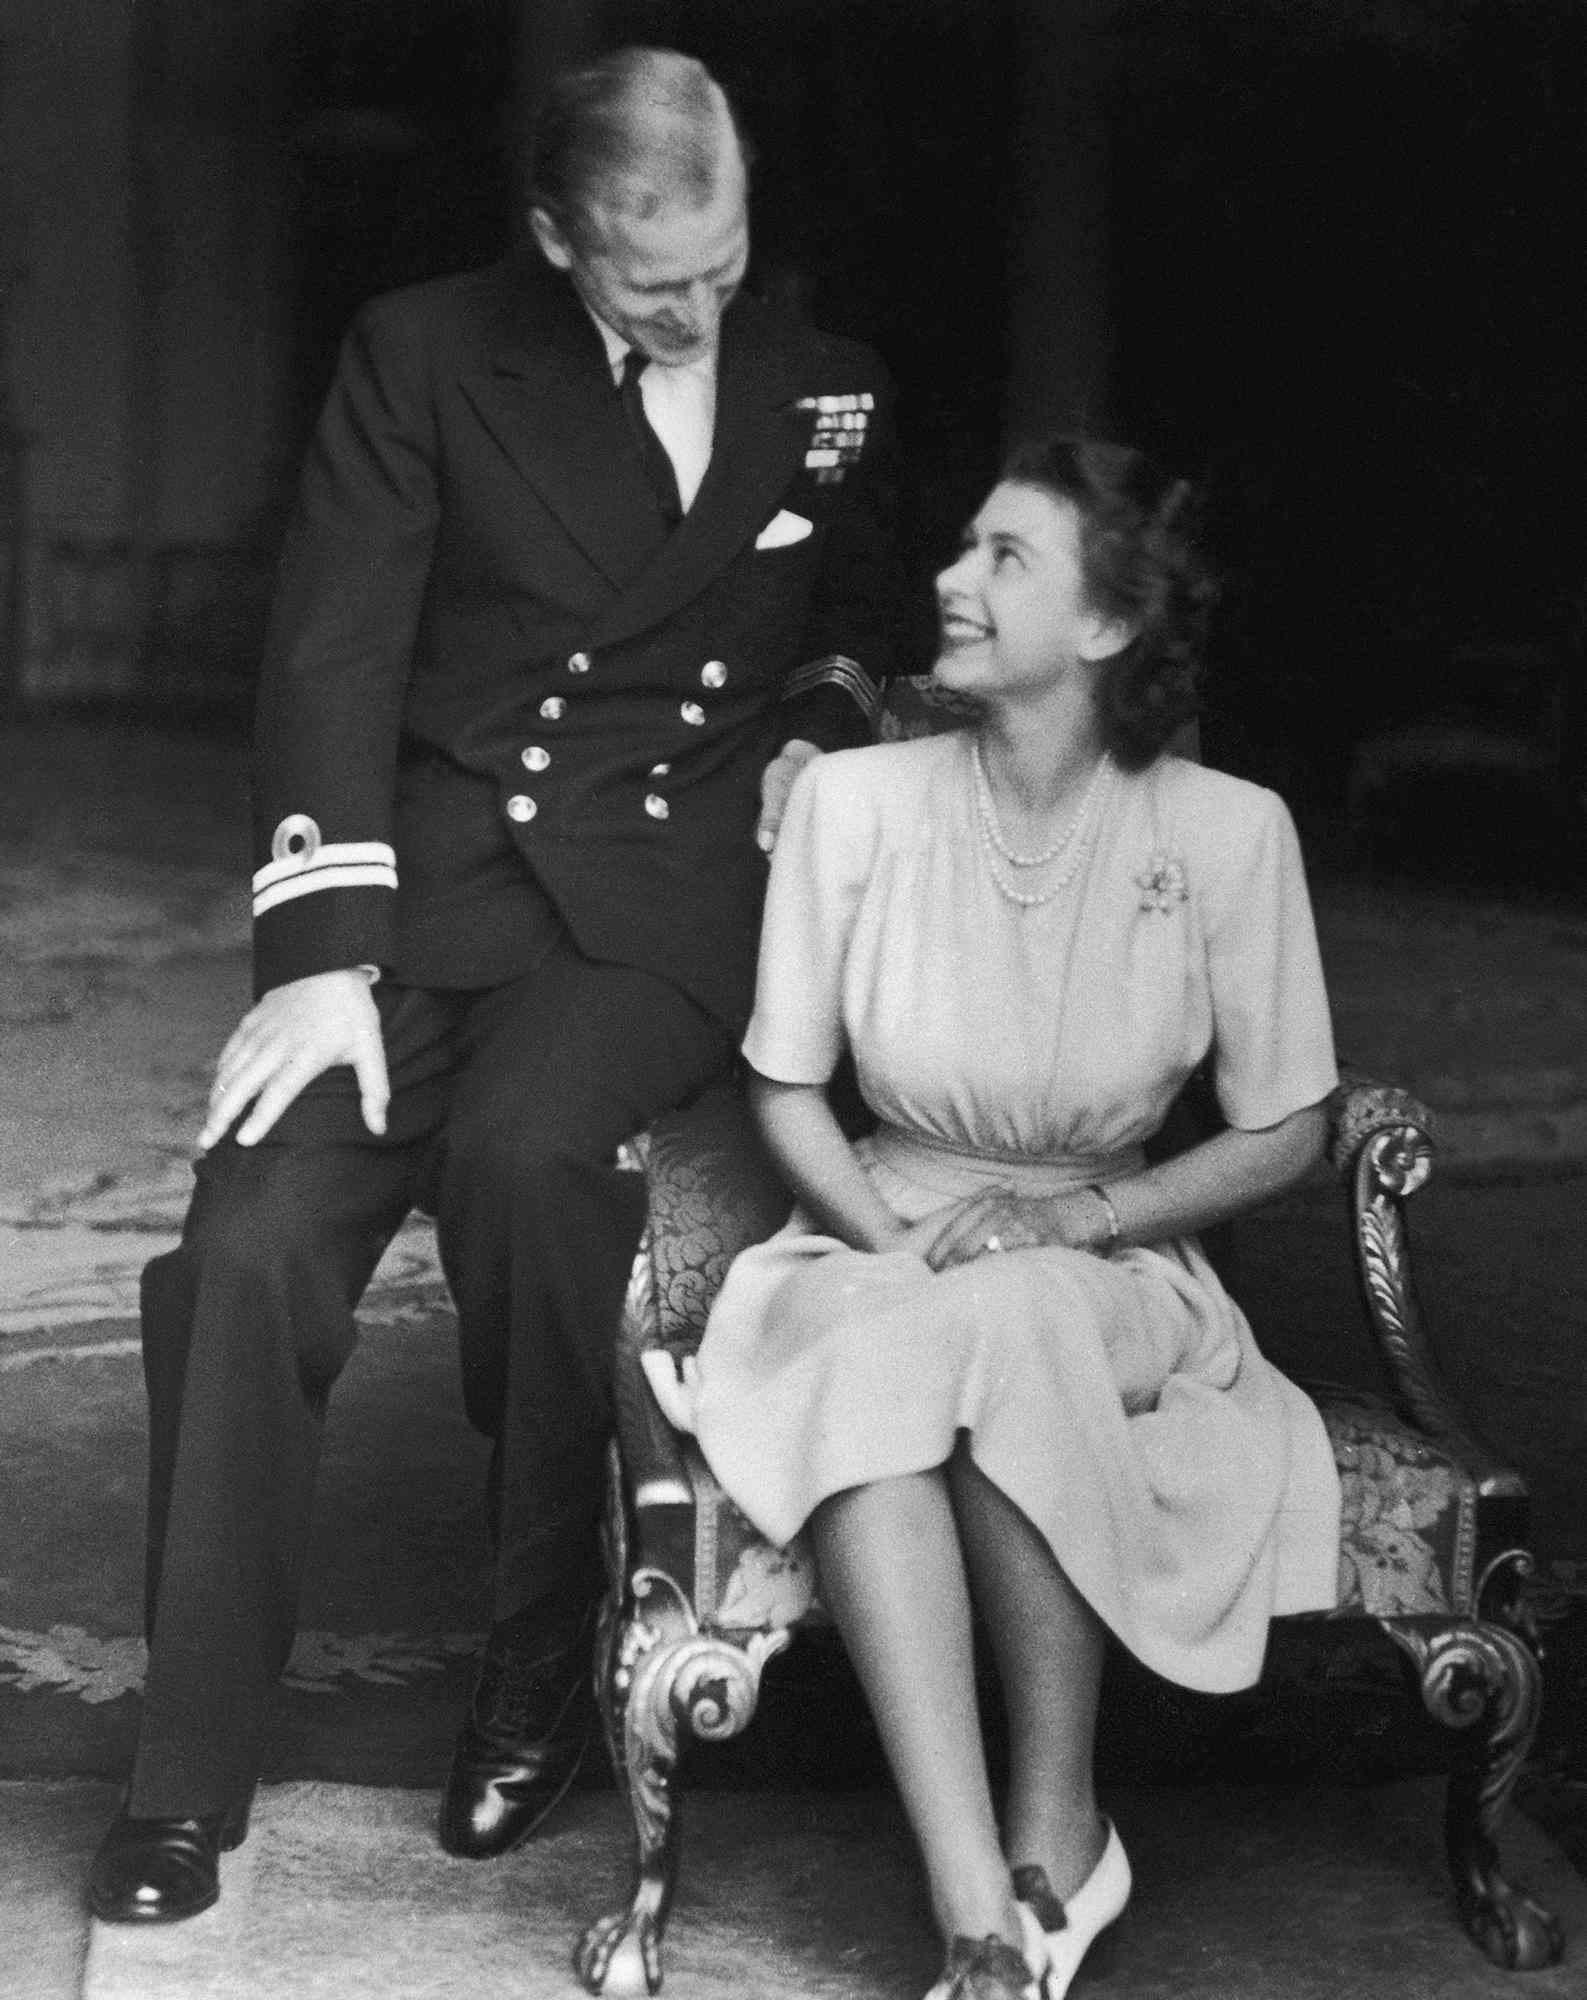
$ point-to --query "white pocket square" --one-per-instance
(783, 529)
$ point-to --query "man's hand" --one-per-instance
(776, 782)
(294, 1034)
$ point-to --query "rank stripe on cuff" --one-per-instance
(352, 864)
(836, 670)
(351, 876)
(326, 854)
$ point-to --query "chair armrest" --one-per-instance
(710, 1191)
(1381, 1144)
(1362, 1107)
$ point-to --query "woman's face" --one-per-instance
(1012, 609)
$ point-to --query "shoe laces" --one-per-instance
(517, 1686)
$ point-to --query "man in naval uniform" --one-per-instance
(591, 552)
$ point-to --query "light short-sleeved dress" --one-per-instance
(1186, 1487)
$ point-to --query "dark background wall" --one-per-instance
(1348, 242)
(1324, 253)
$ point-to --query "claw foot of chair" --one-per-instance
(1481, 1678)
(1507, 1925)
(620, 1955)
(661, 1677)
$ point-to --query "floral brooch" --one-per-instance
(1162, 883)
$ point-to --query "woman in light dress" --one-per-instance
(986, 1362)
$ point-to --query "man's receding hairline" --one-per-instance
(634, 136)
(678, 159)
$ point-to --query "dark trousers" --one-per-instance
(507, 1108)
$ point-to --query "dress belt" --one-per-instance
(918, 1154)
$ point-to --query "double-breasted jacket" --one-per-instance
(499, 695)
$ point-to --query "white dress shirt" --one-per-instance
(681, 405)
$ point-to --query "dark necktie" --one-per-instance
(653, 456)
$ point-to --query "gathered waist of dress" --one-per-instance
(923, 1157)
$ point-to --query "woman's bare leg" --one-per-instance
(892, 1575)
(1049, 1646)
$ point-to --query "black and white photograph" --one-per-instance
(793, 999)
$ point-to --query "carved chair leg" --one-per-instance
(620, 1953)
(665, 1676)
(1482, 1680)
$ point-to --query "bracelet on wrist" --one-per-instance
(1110, 1242)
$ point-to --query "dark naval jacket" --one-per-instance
(498, 693)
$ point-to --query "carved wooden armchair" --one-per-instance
(1432, 1552)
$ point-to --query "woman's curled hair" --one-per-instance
(1143, 565)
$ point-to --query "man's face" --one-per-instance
(661, 282)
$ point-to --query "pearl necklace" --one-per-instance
(988, 812)
(1076, 834)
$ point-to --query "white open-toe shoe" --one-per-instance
(1070, 1929)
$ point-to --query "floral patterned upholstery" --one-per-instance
(1408, 1526)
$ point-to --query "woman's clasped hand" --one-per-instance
(985, 1224)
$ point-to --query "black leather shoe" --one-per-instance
(158, 1871)
(528, 1727)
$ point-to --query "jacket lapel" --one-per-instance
(758, 443)
(547, 399)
